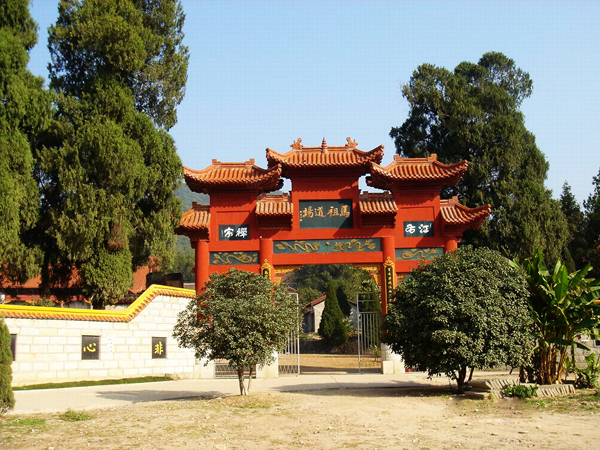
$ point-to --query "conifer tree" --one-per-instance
(333, 327)
(592, 227)
(109, 167)
(7, 398)
(576, 220)
(473, 113)
(24, 112)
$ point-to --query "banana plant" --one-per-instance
(564, 306)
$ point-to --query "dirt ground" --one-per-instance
(391, 418)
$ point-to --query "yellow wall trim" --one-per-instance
(40, 312)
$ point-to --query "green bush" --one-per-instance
(588, 378)
(520, 390)
(7, 398)
(333, 327)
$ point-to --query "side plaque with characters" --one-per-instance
(90, 347)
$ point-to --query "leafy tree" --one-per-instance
(466, 309)
(474, 114)
(592, 227)
(7, 398)
(576, 221)
(184, 262)
(333, 327)
(563, 306)
(241, 317)
(108, 171)
(24, 113)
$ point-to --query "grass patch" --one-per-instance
(584, 400)
(22, 424)
(74, 416)
(68, 384)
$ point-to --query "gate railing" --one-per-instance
(369, 320)
(289, 358)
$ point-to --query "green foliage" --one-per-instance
(342, 298)
(312, 279)
(563, 306)
(474, 114)
(7, 398)
(520, 391)
(465, 309)
(137, 43)
(241, 317)
(108, 169)
(592, 228)
(25, 112)
(333, 328)
(74, 416)
(184, 260)
(587, 378)
(576, 220)
(68, 384)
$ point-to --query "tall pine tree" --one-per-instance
(473, 113)
(577, 246)
(333, 327)
(109, 167)
(592, 227)
(24, 112)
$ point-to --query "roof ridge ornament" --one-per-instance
(297, 145)
(350, 144)
(324, 146)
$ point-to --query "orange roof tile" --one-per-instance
(222, 176)
(195, 222)
(302, 158)
(457, 218)
(377, 203)
(416, 172)
(274, 206)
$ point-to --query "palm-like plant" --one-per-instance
(563, 306)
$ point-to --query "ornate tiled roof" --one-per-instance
(457, 218)
(220, 176)
(412, 173)
(36, 312)
(377, 203)
(195, 221)
(274, 206)
(307, 159)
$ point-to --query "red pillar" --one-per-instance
(202, 259)
(388, 273)
(266, 257)
(451, 244)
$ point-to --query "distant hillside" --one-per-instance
(187, 197)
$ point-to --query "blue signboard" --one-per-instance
(327, 246)
(325, 213)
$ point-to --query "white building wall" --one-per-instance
(50, 349)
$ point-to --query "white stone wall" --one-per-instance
(50, 350)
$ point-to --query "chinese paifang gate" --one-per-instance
(325, 219)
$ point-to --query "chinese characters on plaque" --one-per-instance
(325, 213)
(234, 232)
(159, 347)
(90, 347)
(418, 228)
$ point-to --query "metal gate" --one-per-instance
(369, 320)
(289, 358)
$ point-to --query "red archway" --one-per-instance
(325, 219)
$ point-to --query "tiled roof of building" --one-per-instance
(324, 157)
(457, 218)
(36, 312)
(377, 203)
(220, 176)
(416, 172)
(274, 206)
(195, 219)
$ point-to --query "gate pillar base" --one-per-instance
(391, 363)
(270, 370)
(203, 371)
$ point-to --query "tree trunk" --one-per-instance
(250, 377)
(460, 380)
(471, 374)
(240, 374)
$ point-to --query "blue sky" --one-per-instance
(263, 73)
